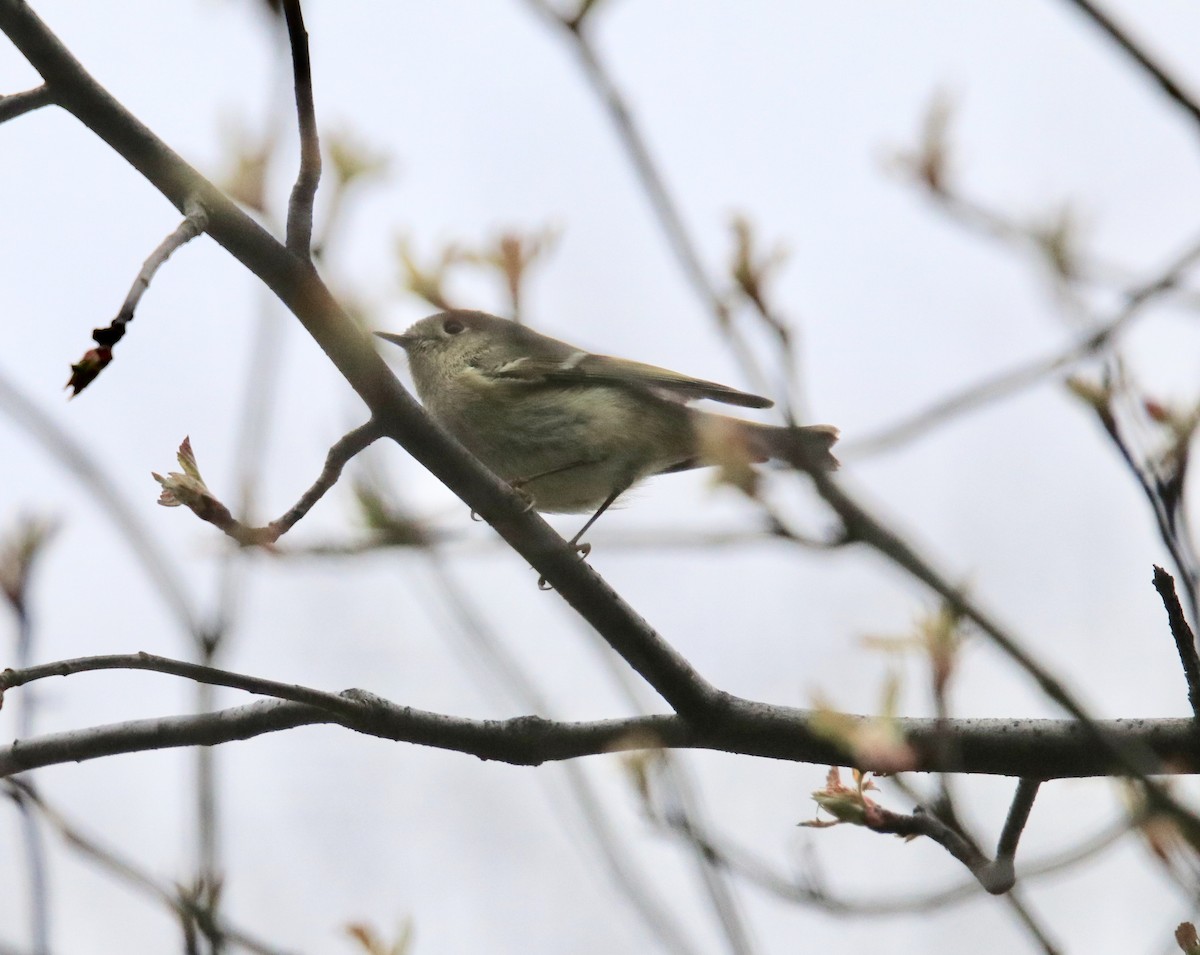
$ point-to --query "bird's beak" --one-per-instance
(402, 340)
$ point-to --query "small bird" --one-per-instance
(571, 430)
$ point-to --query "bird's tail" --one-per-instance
(805, 447)
(735, 444)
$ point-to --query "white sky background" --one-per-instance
(785, 112)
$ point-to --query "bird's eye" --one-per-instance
(452, 326)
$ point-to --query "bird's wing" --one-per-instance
(580, 367)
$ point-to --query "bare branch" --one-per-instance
(353, 354)
(1043, 749)
(300, 206)
(1134, 759)
(1026, 374)
(18, 104)
(192, 225)
(187, 489)
(1185, 640)
(1162, 492)
(192, 671)
(1143, 59)
(84, 372)
(494, 660)
(1018, 815)
(111, 859)
(806, 887)
(60, 445)
(852, 805)
(651, 178)
(346, 448)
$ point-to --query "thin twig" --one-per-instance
(1018, 815)
(95, 360)
(806, 889)
(653, 184)
(1143, 59)
(300, 206)
(188, 489)
(1185, 640)
(192, 225)
(346, 447)
(502, 667)
(996, 876)
(1167, 512)
(1031, 924)
(158, 565)
(127, 871)
(18, 104)
(1135, 760)
(319, 699)
(31, 834)
(1025, 374)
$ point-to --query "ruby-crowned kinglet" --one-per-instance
(573, 430)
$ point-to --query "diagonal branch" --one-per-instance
(1143, 59)
(653, 183)
(110, 859)
(300, 206)
(18, 104)
(493, 659)
(193, 225)
(298, 286)
(1133, 758)
(74, 458)
(1022, 376)
(996, 876)
(1185, 640)
(97, 359)
(1166, 507)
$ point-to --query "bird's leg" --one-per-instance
(584, 549)
(519, 484)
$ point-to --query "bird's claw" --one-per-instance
(530, 502)
(583, 550)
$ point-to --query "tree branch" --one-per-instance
(1016, 379)
(18, 104)
(1143, 59)
(97, 359)
(111, 860)
(1032, 749)
(651, 179)
(807, 887)
(75, 459)
(353, 354)
(1130, 757)
(189, 490)
(1185, 640)
(304, 192)
(1018, 815)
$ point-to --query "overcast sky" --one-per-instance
(790, 114)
